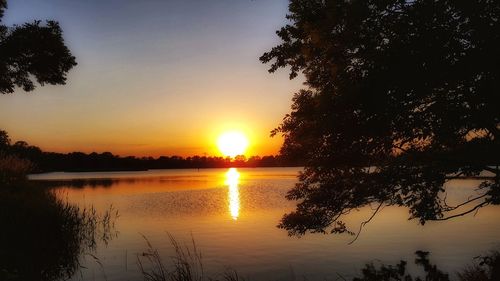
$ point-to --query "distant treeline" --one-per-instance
(106, 161)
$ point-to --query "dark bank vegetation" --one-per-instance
(43, 237)
(484, 268)
(400, 97)
(13, 169)
(79, 161)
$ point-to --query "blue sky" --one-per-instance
(155, 77)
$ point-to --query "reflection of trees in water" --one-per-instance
(96, 182)
(43, 237)
(82, 183)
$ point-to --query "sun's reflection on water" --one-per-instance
(232, 179)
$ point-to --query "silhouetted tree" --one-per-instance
(32, 51)
(4, 141)
(401, 96)
(40, 161)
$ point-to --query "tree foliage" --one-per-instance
(401, 96)
(4, 141)
(32, 52)
(20, 152)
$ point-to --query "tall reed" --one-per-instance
(185, 265)
(43, 237)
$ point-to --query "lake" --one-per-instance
(232, 215)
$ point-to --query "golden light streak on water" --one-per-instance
(232, 179)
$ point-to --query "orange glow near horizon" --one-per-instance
(166, 141)
(149, 87)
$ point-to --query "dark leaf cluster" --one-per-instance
(400, 97)
(32, 52)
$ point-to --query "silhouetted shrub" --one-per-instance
(43, 237)
(487, 269)
(13, 169)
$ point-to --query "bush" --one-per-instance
(487, 269)
(14, 169)
(43, 237)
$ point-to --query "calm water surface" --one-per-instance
(232, 214)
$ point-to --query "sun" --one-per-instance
(232, 143)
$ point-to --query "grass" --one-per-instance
(43, 237)
(185, 265)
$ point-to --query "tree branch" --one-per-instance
(464, 203)
(367, 221)
(464, 213)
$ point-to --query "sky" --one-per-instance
(155, 77)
